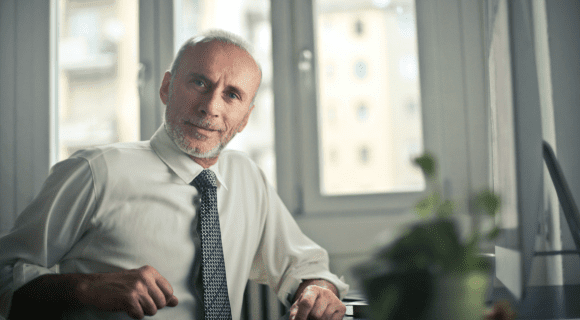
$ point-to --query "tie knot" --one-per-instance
(205, 179)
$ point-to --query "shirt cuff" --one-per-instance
(288, 289)
(25, 272)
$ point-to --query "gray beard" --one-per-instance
(176, 134)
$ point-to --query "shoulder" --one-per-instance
(229, 156)
(235, 165)
(116, 155)
(122, 149)
(116, 162)
(238, 160)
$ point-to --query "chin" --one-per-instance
(195, 151)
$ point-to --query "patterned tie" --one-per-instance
(215, 287)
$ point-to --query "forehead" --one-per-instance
(216, 59)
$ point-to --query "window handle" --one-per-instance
(305, 61)
(305, 68)
(142, 76)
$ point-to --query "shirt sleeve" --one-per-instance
(47, 229)
(286, 256)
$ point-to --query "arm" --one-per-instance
(286, 256)
(137, 292)
(47, 294)
(43, 234)
(47, 229)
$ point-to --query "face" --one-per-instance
(209, 99)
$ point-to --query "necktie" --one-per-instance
(215, 288)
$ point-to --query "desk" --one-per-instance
(285, 317)
(540, 302)
(545, 302)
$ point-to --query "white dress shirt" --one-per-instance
(127, 205)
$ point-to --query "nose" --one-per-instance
(210, 105)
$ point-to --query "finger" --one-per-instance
(134, 310)
(319, 309)
(164, 286)
(337, 315)
(339, 311)
(304, 305)
(157, 296)
(173, 301)
(148, 305)
(292, 311)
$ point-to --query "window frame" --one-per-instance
(155, 56)
(451, 67)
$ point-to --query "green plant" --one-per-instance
(403, 278)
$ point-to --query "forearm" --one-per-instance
(318, 282)
(47, 295)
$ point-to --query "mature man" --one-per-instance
(135, 229)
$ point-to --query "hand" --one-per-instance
(138, 292)
(502, 310)
(316, 302)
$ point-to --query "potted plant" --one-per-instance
(430, 271)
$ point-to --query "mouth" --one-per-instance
(199, 127)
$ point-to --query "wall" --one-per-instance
(25, 103)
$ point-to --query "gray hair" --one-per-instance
(214, 35)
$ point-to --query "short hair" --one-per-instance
(214, 35)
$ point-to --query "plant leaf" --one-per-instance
(427, 164)
(426, 206)
(494, 233)
(488, 201)
(445, 209)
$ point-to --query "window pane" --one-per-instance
(369, 103)
(251, 20)
(98, 67)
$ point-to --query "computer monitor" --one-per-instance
(516, 138)
(565, 198)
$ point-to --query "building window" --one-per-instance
(360, 69)
(362, 112)
(364, 155)
(359, 27)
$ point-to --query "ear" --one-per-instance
(245, 120)
(164, 90)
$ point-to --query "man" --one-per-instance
(116, 233)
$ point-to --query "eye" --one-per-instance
(198, 83)
(233, 95)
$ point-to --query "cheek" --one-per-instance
(175, 107)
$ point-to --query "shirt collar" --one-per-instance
(177, 160)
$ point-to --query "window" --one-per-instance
(396, 77)
(449, 112)
(99, 72)
(380, 67)
(354, 91)
(98, 63)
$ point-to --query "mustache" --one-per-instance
(204, 123)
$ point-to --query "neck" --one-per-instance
(205, 162)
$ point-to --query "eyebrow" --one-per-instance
(234, 89)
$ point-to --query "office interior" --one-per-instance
(451, 39)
